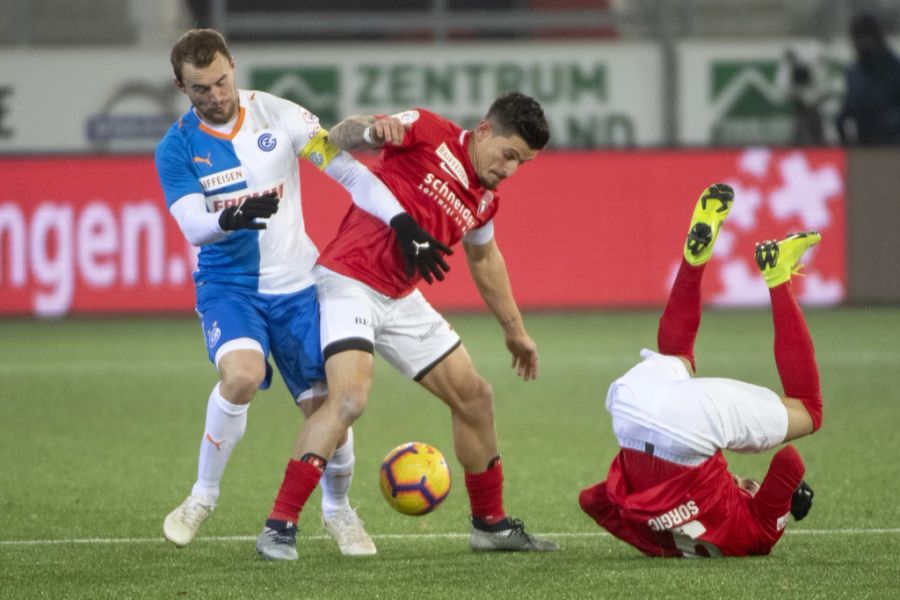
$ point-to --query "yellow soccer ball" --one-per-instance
(415, 478)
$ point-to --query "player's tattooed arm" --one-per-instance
(366, 131)
(350, 134)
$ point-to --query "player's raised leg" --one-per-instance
(470, 398)
(226, 421)
(794, 352)
(680, 320)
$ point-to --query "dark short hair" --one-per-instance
(866, 25)
(517, 113)
(199, 48)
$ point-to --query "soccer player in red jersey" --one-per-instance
(668, 491)
(446, 178)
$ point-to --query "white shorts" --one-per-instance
(407, 332)
(657, 407)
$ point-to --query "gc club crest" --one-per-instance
(266, 142)
(213, 335)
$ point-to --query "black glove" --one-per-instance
(242, 215)
(420, 250)
(801, 501)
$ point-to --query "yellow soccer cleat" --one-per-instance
(712, 208)
(779, 260)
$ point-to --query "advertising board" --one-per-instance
(577, 229)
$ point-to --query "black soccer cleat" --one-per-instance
(507, 535)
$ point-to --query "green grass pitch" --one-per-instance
(100, 422)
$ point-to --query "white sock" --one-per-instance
(225, 426)
(337, 478)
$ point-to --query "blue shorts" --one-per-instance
(287, 325)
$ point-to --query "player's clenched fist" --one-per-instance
(244, 214)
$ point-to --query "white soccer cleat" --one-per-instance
(182, 524)
(347, 530)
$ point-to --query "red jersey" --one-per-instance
(432, 177)
(665, 509)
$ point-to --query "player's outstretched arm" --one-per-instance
(488, 269)
(361, 132)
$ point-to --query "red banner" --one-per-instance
(587, 229)
(607, 229)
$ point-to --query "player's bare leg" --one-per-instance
(349, 376)
(471, 401)
(794, 352)
(241, 372)
(470, 398)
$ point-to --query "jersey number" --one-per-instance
(687, 540)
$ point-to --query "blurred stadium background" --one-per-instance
(650, 95)
(649, 101)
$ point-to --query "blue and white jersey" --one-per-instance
(256, 156)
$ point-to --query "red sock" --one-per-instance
(300, 479)
(486, 493)
(680, 320)
(795, 355)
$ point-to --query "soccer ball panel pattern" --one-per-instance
(415, 478)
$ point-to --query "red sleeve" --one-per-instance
(785, 473)
(418, 122)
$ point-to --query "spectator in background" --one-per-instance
(871, 111)
(802, 81)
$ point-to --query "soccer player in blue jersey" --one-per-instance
(229, 172)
